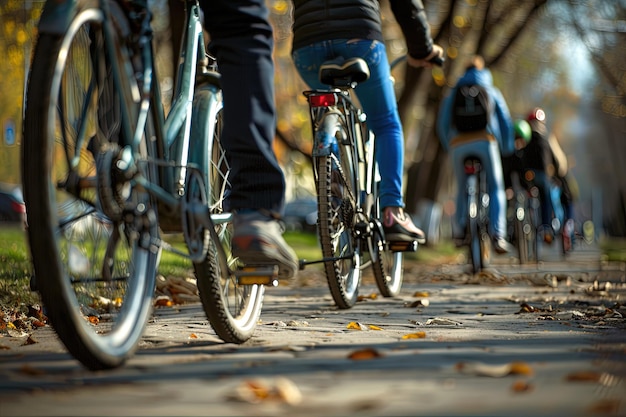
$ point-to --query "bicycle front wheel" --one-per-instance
(93, 235)
(232, 309)
(336, 205)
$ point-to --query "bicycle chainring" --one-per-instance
(114, 187)
(193, 202)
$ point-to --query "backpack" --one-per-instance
(472, 108)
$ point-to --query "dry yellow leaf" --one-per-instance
(421, 294)
(416, 335)
(373, 327)
(520, 368)
(371, 296)
(353, 325)
(193, 336)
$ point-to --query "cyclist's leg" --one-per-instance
(458, 155)
(495, 184)
(378, 100)
(242, 40)
(543, 184)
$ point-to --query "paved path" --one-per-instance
(546, 340)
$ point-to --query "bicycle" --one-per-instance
(525, 215)
(108, 177)
(477, 214)
(346, 178)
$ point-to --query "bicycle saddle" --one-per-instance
(340, 72)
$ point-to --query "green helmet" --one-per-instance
(522, 130)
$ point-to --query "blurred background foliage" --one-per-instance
(567, 56)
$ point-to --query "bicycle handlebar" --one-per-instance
(436, 60)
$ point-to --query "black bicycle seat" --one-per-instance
(340, 72)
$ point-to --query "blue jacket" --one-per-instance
(500, 124)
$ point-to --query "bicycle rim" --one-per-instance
(387, 267)
(232, 309)
(96, 274)
(336, 205)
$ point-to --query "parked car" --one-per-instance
(12, 207)
(301, 214)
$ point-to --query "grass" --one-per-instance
(16, 269)
(614, 249)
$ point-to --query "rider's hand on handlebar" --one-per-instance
(435, 58)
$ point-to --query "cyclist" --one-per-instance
(488, 143)
(242, 42)
(514, 164)
(352, 28)
(513, 168)
(546, 160)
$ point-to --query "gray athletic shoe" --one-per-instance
(258, 240)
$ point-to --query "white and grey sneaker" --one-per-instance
(258, 240)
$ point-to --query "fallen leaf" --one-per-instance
(494, 371)
(373, 327)
(193, 336)
(608, 406)
(278, 389)
(354, 325)
(602, 378)
(521, 386)
(421, 294)
(372, 296)
(364, 354)
(93, 320)
(416, 335)
(30, 340)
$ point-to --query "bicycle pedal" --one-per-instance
(258, 275)
(403, 246)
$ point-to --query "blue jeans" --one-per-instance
(242, 41)
(377, 98)
(489, 154)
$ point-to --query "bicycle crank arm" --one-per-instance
(303, 262)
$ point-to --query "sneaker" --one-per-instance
(258, 239)
(399, 227)
(500, 245)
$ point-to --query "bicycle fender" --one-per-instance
(325, 140)
(56, 16)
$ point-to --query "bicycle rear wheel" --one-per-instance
(232, 309)
(387, 265)
(336, 205)
(474, 232)
(93, 236)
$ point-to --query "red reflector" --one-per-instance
(470, 169)
(323, 100)
(17, 207)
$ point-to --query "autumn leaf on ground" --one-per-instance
(374, 327)
(495, 371)
(601, 378)
(355, 325)
(193, 336)
(521, 386)
(365, 354)
(372, 296)
(416, 335)
(258, 390)
(419, 294)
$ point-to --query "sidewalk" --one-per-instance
(536, 341)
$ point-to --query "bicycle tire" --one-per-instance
(95, 272)
(336, 205)
(232, 309)
(387, 265)
(474, 231)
